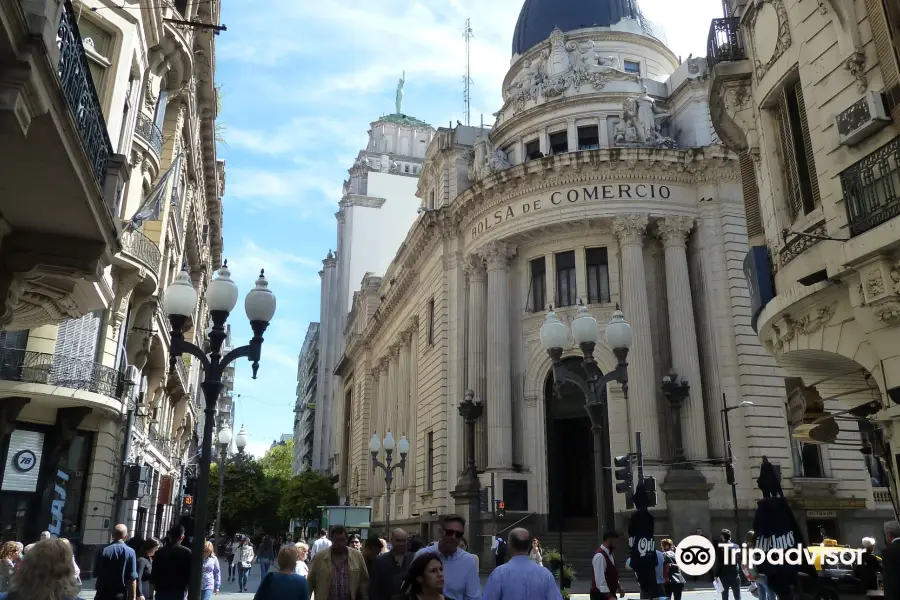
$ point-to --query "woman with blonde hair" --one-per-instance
(46, 573)
(211, 576)
(284, 584)
(302, 568)
(9, 556)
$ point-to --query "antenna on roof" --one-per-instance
(467, 78)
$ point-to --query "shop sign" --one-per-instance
(821, 514)
(829, 504)
(613, 192)
(58, 504)
(23, 461)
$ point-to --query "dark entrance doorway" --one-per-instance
(570, 456)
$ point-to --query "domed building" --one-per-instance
(601, 183)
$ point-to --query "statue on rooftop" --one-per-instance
(399, 100)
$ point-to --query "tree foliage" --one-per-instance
(276, 464)
(304, 494)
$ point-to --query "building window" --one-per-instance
(430, 322)
(406, 168)
(597, 275)
(533, 150)
(429, 472)
(801, 184)
(588, 137)
(537, 294)
(431, 199)
(566, 292)
(807, 460)
(559, 142)
(876, 472)
(632, 66)
(181, 6)
(98, 47)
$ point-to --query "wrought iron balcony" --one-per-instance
(61, 371)
(801, 243)
(138, 245)
(81, 95)
(872, 188)
(182, 370)
(147, 129)
(725, 43)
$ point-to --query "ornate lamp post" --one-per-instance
(468, 488)
(586, 332)
(676, 392)
(729, 468)
(221, 296)
(375, 446)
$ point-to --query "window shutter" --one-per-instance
(807, 146)
(789, 160)
(77, 338)
(751, 196)
(888, 49)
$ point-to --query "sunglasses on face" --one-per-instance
(452, 533)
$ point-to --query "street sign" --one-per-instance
(188, 500)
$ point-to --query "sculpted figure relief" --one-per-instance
(487, 159)
(642, 123)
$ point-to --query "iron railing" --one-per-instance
(142, 248)
(182, 371)
(62, 371)
(163, 445)
(150, 132)
(801, 243)
(872, 188)
(81, 95)
(725, 43)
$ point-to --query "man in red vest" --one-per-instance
(604, 574)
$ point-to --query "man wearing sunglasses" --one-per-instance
(461, 580)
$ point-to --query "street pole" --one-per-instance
(375, 446)
(493, 510)
(223, 448)
(388, 482)
(119, 512)
(640, 456)
(730, 458)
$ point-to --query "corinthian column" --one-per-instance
(673, 232)
(475, 380)
(498, 401)
(630, 230)
(393, 399)
(403, 402)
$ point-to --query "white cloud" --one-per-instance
(283, 269)
(257, 448)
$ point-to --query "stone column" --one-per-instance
(642, 384)
(475, 377)
(403, 400)
(393, 397)
(498, 400)
(683, 332)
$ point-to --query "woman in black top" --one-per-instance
(145, 567)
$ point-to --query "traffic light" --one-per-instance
(625, 479)
(483, 500)
(650, 486)
(501, 508)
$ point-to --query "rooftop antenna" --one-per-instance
(467, 78)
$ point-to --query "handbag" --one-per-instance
(753, 589)
(245, 564)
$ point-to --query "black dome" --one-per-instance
(539, 18)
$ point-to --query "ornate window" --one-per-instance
(597, 275)
(588, 137)
(98, 47)
(631, 66)
(537, 293)
(533, 150)
(566, 289)
(559, 142)
(798, 164)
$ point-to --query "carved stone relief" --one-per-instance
(856, 64)
(486, 159)
(643, 123)
(769, 18)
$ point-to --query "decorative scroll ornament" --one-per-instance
(783, 40)
(815, 319)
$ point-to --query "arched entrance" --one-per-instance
(570, 455)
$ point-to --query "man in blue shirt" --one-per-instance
(521, 578)
(117, 569)
(461, 580)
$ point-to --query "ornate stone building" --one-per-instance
(808, 93)
(68, 378)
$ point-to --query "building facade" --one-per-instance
(809, 95)
(305, 407)
(602, 182)
(376, 210)
(79, 374)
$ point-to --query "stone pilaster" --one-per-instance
(393, 397)
(499, 360)
(673, 232)
(477, 344)
(403, 399)
(642, 385)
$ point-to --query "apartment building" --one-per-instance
(305, 408)
(119, 103)
(808, 95)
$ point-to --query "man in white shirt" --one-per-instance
(605, 577)
(320, 544)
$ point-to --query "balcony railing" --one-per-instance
(61, 371)
(150, 132)
(872, 188)
(81, 95)
(138, 245)
(725, 43)
(182, 371)
(801, 243)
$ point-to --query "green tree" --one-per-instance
(248, 499)
(304, 494)
(276, 464)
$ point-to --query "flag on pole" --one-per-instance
(151, 209)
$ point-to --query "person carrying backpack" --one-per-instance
(672, 575)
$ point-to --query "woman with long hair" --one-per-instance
(245, 556)
(9, 558)
(302, 553)
(284, 584)
(536, 553)
(425, 579)
(265, 555)
(145, 567)
(46, 573)
(230, 549)
(672, 575)
(212, 579)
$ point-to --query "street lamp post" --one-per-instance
(676, 392)
(729, 468)
(468, 487)
(179, 304)
(586, 333)
(375, 446)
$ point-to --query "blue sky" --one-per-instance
(302, 80)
